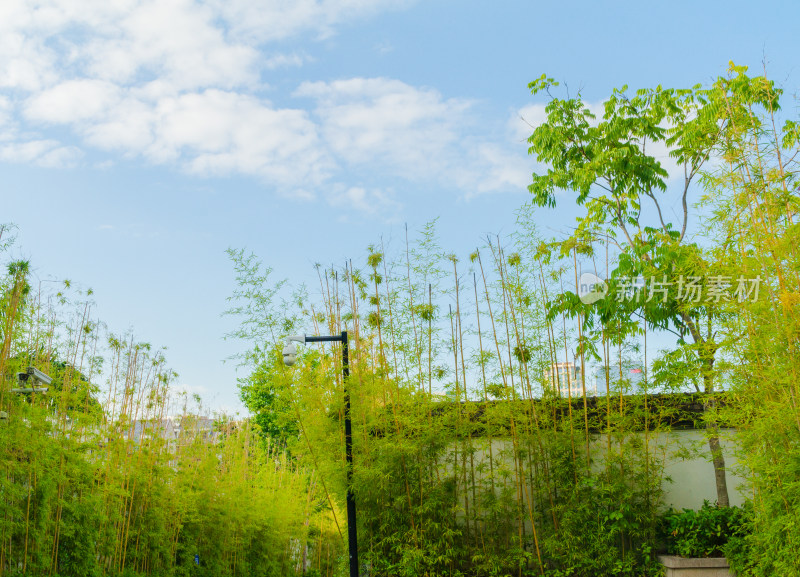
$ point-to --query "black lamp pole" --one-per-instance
(352, 533)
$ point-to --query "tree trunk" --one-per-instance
(719, 466)
(713, 441)
(707, 353)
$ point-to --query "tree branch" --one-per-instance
(658, 208)
(686, 180)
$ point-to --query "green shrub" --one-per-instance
(703, 533)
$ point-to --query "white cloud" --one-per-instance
(224, 132)
(60, 157)
(73, 101)
(379, 120)
(174, 81)
(191, 44)
(177, 41)
(285, 60)
(500, 170)
(179, 82)
(6, 109)
(128, 127)
(414, 133)
(215, 133)
(44, 153)
(368, 201)
(272, 20)
(523, 122)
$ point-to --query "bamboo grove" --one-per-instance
(92, 484)
(468, 460)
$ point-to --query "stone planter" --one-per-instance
(696, 567)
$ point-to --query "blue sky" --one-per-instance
(140, 139)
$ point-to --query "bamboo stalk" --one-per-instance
(583, 366)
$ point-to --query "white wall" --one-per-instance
(688, 470)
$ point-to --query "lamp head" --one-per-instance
(29, 380)
(289, 354)
(39, 376)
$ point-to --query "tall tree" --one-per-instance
(613, 167)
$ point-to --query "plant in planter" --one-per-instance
(697, 542)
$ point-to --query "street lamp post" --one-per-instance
(28, 385)
(289, 355)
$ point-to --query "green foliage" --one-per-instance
(610, 166)
(271, 404)
(703, 533)
(718, 137)
(99, 480)
(456, 483)
(606, 528)
(753, 201)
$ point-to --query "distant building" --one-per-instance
(565, 378)
(632, 376)
(176, 429)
